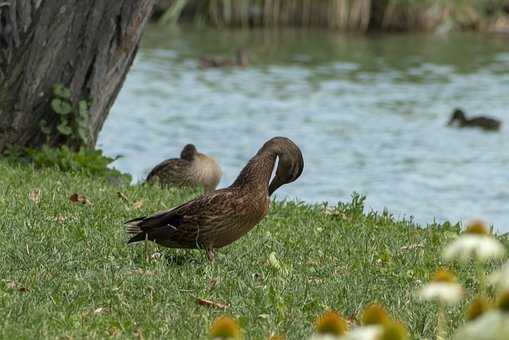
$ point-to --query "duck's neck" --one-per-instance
(257, 172)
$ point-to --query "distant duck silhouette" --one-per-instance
(485, 123)
(241, 60)
(193, 169)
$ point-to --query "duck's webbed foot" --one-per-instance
(211, 253)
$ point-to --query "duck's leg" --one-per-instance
(211, 253)
(146, 247)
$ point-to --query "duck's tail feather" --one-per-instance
(137, 238)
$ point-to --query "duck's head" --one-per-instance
(290, 162)
(457, 115)
(188, 152)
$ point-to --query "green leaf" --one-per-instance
(64, 120)
(61, 106)
(64, 129)
(45, 127)
(83, 133)
(61, 91)
(83, 108)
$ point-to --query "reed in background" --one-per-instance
(342, 15)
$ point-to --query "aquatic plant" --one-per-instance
(344, 15)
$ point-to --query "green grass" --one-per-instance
(73, 259)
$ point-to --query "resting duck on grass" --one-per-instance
(485, 123)
(192, 169)
(241, 60)
(218, 218)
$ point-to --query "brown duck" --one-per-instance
(486, 123)
(219, 218)
(192, 169)
(241, 60)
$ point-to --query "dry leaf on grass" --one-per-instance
(412, 247)
(212, 284)
(138, 205)
(60, 218)
(210, 303)
(16, 286)
(35, 196)
(123, 197)
(79, 199)
(99, 310)
(156, 256)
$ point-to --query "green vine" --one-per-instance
(72, 121)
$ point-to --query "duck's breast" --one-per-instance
(248, 212)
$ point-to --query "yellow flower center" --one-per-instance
(393, 331)
(331, 323)
(225, 327)
(477, 308)
(443, 275)
(503, 301)
(477, 227)
(374, 314)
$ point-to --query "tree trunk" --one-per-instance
(85, 45)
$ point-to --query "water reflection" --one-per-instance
(368, 112)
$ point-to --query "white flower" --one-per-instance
(492, 325)
(474, 246)
(446, 292)
(500, 278)
(364, 333)
(324, 337)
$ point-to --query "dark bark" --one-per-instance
(86, 45)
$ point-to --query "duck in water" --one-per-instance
(218, 218)
(193, 169)
(241, 60)
(485, 123)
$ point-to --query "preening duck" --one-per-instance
(218, 218)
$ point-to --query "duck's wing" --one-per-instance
(182, 225)
(172, 169)
(486, 122)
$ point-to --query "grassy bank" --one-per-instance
(343, 15)
(66, 270)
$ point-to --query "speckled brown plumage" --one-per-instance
(193, 169)
(218, 218)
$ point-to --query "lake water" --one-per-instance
(369, 113)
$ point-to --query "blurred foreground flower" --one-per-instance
(330, 326)
(493, 325)
(477, 307)
(377, 325)
(500, 278)
(474, 243)
(374, 314)
(443, 289)
(225, 328)
(391, 330)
